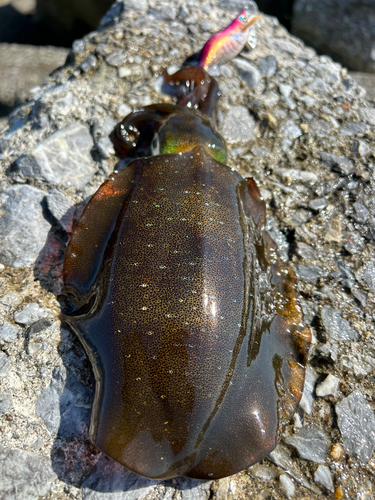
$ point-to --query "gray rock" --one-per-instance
(309, 273)
(362, 213)
(63, 158)
(308, 100)
(318, 204)
(57, 204)
(357, 129)
(23, 67)
(6, 401)
(8, 333)
(329, 386)
(105, 147)
(281, 457)
(238, 125)
(369, 275)
(285, 89)
(323, 476)
(290, 130)
(356, 421)
(345, 273)
(287, 485)
(24, 475)
(117, 58)
(22, 225)
(308, 398)
(336, 326)
(368, 114)
(311, 443)
(267, 65)
(297, 174)
(345, 165)
(31, 313)
(5, 363)
(306, 251)
(259, 151)
(344, 30)
(91, 62)
(48, 408)
(110, 480)
(247, 71)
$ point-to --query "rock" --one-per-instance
(58, 205)
(337, 328)
(344, 30)
(31, 313)
(117, 58)
(329, 386)
(323, 476)
(267, 65)
(24, 475)
(309, 273)
(318, 204)
(311, 443)
(5, 363)
(287, 485)
(6, 401)
(357, 129)
(247, 71)
(308, 390)
(64, 158)
(8, 333)
(290, 130)
(343, 163)
(22, 225)
(356, 421)
(238, 125)
(296, 174)
(23, 67)
(369, 275)
(306, 251)
(65, 405)
(281, 456)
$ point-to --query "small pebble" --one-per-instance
(5, 363)
(337, 451)
(318, 204)
(6, 401)
(287, 485)
(323, 476)
(8, 333)
(31, 313)
(329, 386)
(308, 390)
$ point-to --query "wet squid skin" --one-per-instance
(190, 319)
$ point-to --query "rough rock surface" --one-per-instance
(311, 150)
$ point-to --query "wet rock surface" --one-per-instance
(305, 132)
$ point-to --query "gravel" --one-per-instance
(303, 130)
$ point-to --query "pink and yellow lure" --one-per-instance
(229, 42)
